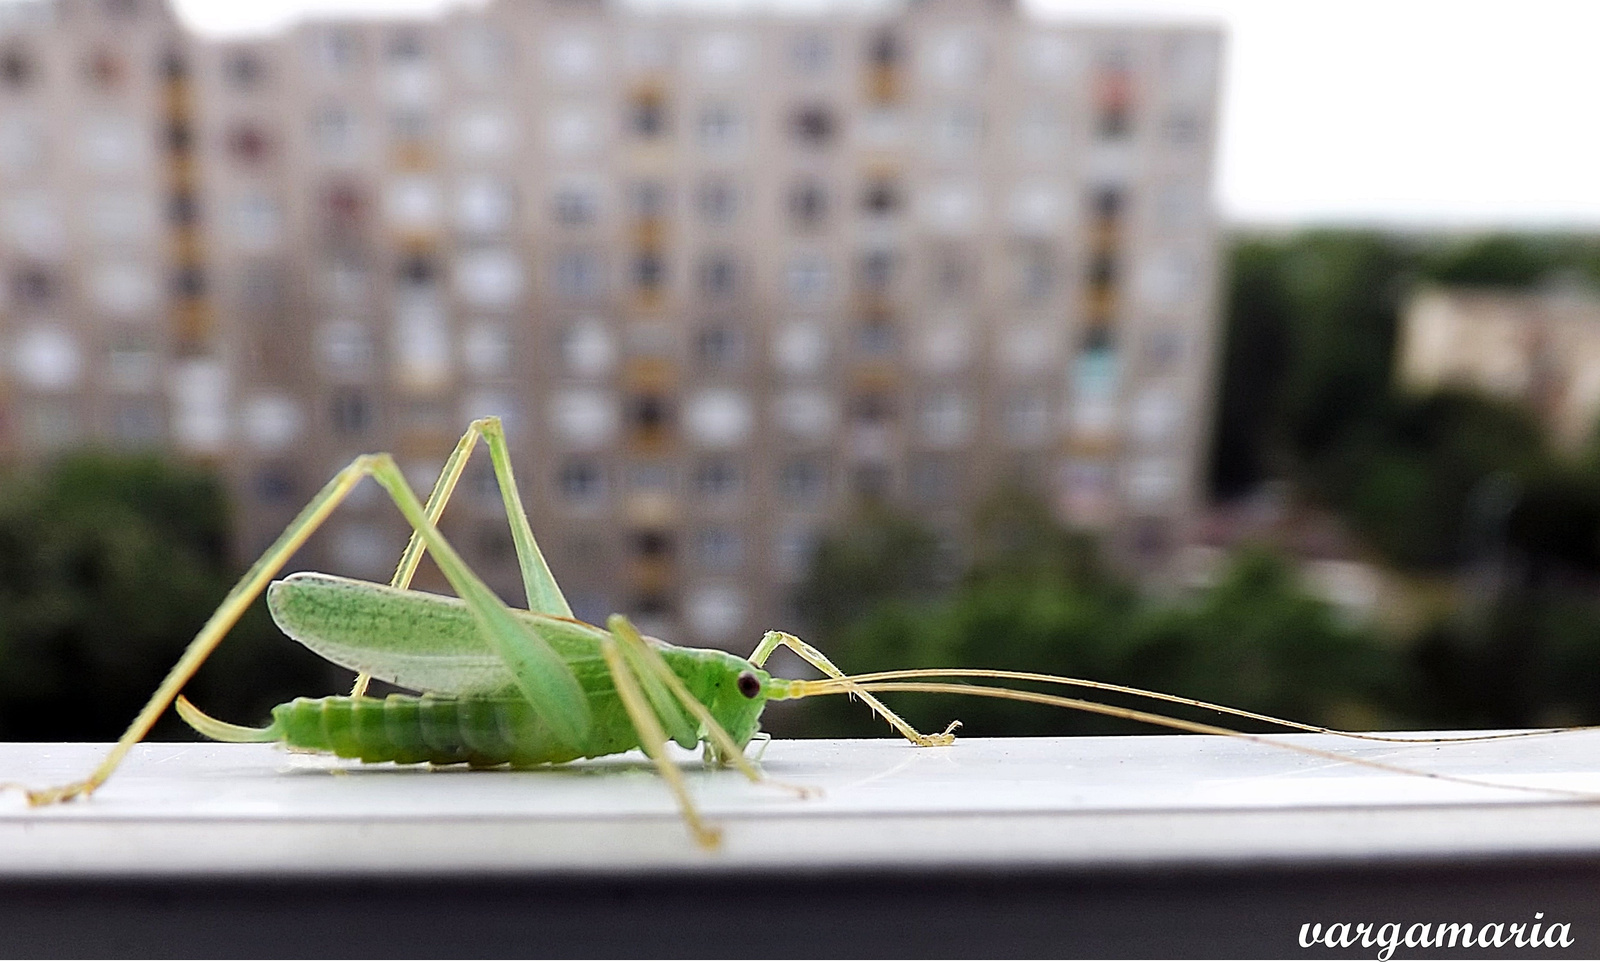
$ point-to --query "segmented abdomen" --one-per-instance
(408, 729)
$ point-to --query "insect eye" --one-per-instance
(749, 684)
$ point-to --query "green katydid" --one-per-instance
(537, 686)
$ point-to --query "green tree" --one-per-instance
(108, 567)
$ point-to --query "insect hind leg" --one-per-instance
(543, 594)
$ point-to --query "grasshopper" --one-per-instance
(501, 686)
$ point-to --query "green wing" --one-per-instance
(420, 641)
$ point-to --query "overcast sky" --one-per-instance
(1397, 112)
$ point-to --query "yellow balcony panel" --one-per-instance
(876, 376)
(883, 84)
(650, 576)
(417, 242)
(412, 158)
(650, 442)
(649, 374)
(192, 322)
(1091, 444)
(649, 300)
(649, 233)
(651, 509)
(1102, 304)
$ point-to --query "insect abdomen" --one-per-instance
(409, 729)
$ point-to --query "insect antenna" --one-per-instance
(1040, 677)
(829, 686)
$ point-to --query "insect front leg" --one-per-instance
(652, 738)
(818, 660)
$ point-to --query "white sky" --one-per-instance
(1401, 112)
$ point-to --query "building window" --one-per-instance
(649, 413)
(418, 272)
(876, 270)
(958, 131)
(1114, 123)
(347, 349)
(804, 479)
(405, 46)
(804, 413)
(1108, 203)
(719, 347)
(105, 70)
(582, 480)
(648, 199)
(244, 70)
(333, 129)
(335, 50)
(1103, 270)
(800, 348)
(808, 204)
(883, 50)
(719, 275)
(647, 115)
(722, 53)
(874, 407)
(586, 348)
(881, 197)
(652, 477)
(934, 480)
(946, 419)
(274, 485)
(352, 413)
(813, 125)
(811, 53)
(1183, 129)
(576, 205)
(718, 418)
(16, 67)
(1036, 274)
(188, 282)
(486, 206)
(580, 275)
(718, 201)
(33, 287)
(809, 278)
(716, 478)
(872, 481)
(1025, 417)
(876, 338)
(719, 549)
(410, 124)
(721, 127)
(649, 272)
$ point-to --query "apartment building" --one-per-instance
(721, 275)
(1541, 348)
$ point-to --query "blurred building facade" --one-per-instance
(1541, 348)
(720, 275)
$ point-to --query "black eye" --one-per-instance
(749, 684)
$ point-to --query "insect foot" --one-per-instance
(946, 737)
(61, 793)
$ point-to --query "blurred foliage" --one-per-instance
(109, 565)
(1036, 597)
(1309, 394)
